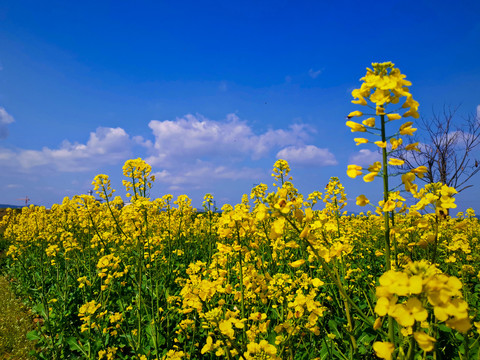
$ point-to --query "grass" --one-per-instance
(15, 323)
(15, 320)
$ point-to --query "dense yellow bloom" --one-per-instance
(406, 314)
(52, 250)
(388, 206)
(261, 350)
(384, 304)
(422, 283)
(359, 95)
(384, 84)
(140, 180)
(399, 283)
(262, 282)
(439, 195)
(174, 355)
(281, 169)
(88, 308)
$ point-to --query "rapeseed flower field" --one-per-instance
(279, 275)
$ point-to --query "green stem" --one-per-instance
(334, 279)
(385, 196)
(139, 291)
(435, 244)
(391, 332)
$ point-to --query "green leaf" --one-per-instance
(39, 309)
(74, 345)
(33, 335)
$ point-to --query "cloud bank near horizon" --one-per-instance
(183, 152)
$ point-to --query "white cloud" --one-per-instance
(478, 112)
(188, 153)
(314, 74)
(13, 186)
(105, 146)
(196, 137)
(203, 174)
(194, 150)
(309, 155)
(5, 119)
(365, 157)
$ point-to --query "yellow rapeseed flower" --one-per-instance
(355, 127)
(354, 114)
(392, 117)
(395, 162)
(359, 141)
(370, 122)
(354, 170)
(383, 349)
(425, 341)
(362, 200)
(370, 176)
(297, 263)
(381, 144)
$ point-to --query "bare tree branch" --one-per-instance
(446, 149)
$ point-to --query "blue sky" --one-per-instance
(211, 93)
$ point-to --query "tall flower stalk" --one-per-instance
(382, 88)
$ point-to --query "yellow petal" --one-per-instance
(381, 144)
(389, 206)
(354, 113)
(370, 122)
(370, 176)
(424, 341)
(359, 141)
(362, 200)
(383, 350)
(297, 263)
(396, 162)
(355, 126)
(394, 117)
(353, 171)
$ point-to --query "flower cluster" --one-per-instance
(85, 314)
(412, 295)
(382, 86)
(102, 185)
(279, 275)
(140, 180)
